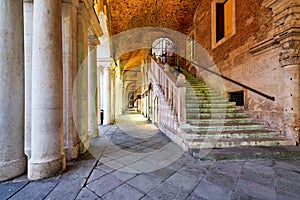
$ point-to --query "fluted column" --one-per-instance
(12, 157)
(28, 23)
(106, 96)
(92, 86)
(47, 157)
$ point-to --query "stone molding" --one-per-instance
(87, 11)
(286, 25)
(290, 54)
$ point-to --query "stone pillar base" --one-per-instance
(41, 170)
(12, 169)
(71, 152)
(84, 144)
(94, 133)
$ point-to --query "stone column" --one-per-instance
(47, 157)
(92, 87)
(81, 87)
(119, 97)
(69, 32)
(12, 157)
(28, 23)
(100, 92)
(112, 95)
(106, 96)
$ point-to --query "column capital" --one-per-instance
(93, 41)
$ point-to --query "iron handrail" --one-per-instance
(235, 82)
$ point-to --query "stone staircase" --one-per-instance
(217, 123)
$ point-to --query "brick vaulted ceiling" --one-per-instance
(171, 14)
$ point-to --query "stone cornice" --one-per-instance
(286, 25)
(90, 17)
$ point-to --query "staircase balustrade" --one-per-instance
(170, 87)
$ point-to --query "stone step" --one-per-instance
(192, 100)
(211, 110)
(196, 122)
(239, 142)
(203, 95)
(207, 98)
(247, 153)
(226, 127)
(210, 105)
(262, 133)
(215, 115)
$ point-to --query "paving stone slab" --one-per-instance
(96, 174)
(144, 183)
(104, 184)
(231, 168)
(184, 180)
(162, 173)
(123, 176)
(167, 191)
(193, 196)
(86, 194)
(36, 190)
(208, 190)
(255, 190)
(124, 192)
(66, 190)
(222, 180)
(293, 165)
(105, 168)
(10, 188)
(257, 177)
(284, 185)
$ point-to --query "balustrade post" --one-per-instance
(181, 99)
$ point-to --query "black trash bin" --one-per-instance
(101, 116)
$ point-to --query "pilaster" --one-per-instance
(28, 28)
(286, 27)
(69, 32)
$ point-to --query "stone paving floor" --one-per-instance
(133, 160)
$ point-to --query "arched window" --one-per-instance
(163, 49)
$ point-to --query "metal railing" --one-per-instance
(235, 82)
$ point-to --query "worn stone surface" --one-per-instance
(47, 157)
(12, 157)
(186, 178)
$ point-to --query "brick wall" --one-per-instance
(253, 22)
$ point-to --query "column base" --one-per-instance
(12, 169)
(94, 133)
(71, 152)
(41, 170)
(84, 144)
(28, 153)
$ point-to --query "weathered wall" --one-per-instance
(262, 72)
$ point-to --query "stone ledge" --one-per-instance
(248, 153)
